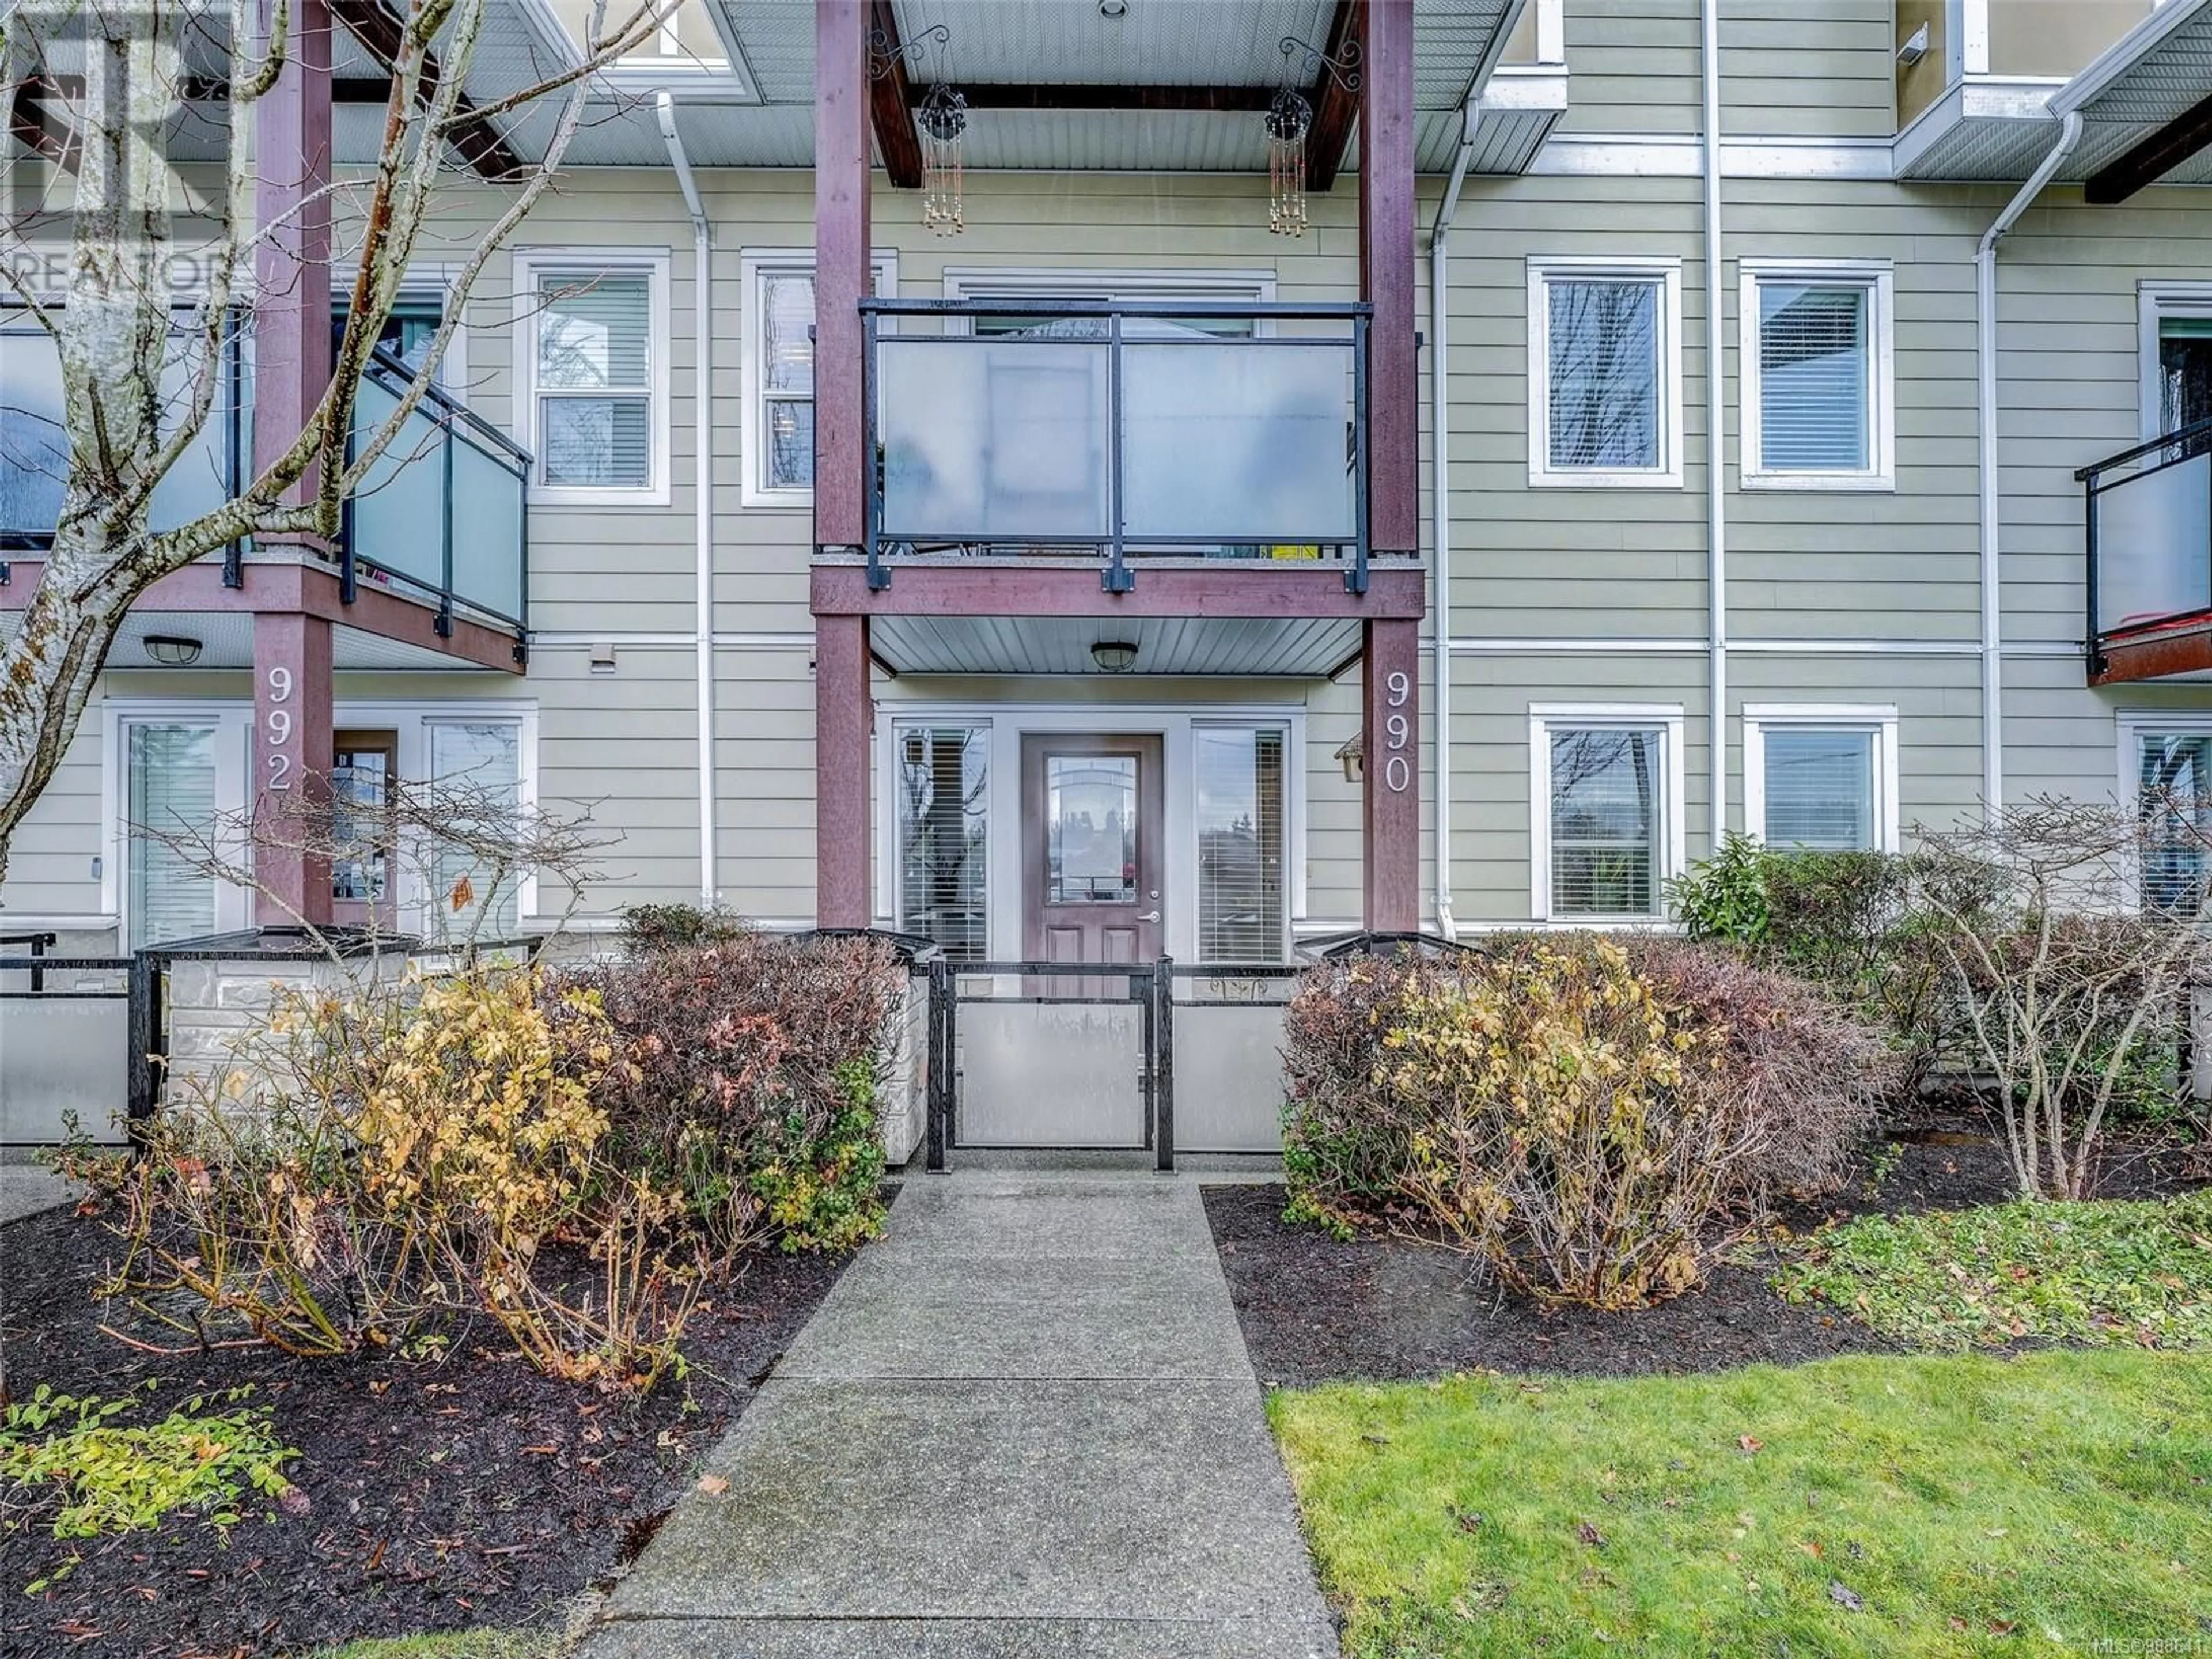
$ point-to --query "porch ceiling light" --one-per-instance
(1115, 656)
(1114, 10)
(1352, 755)
(172, 650)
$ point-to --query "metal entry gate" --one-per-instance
(1085, 1056)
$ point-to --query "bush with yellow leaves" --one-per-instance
(1589, 1134)
(410, 1150)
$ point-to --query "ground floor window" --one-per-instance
(1239, 775)
(1606, 811)
(172, 806)
(1821, 779)
(944, 837)
(2173, 795)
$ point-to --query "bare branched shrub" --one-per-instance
(1593, 1123)
(2070, 967)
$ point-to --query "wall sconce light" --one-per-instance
(172, 650)
(1352, 755)
(1915, 47)
(1115, 656)
(602, 657)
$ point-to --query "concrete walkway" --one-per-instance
(1023, 1424)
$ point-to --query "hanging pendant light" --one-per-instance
(942, 120)
(1290, 118)
(1289, 121)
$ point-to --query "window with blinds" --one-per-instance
(2174, 772)
(480, 763)
(944, 828)
(1819, 788)
(1604, 385)
(1242, 917)
(2184, 371)
(172, 788)
(1607, 817)
(1816, 377)
(786, 372)
(595, 372)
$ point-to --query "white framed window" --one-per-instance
(178, 765)
(2165, 770)
(777, 430)
(1822, 778)
(2173, 343)
(1239, 782)
(941, 867)
(1816, 366)
(1605, 373)
(592, 370)
(1606, 820)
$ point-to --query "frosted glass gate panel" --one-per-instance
(60, 1055)
(1228, 1076)
(1049, 1074)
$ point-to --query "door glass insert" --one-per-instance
(362, 767)
(1091, 846)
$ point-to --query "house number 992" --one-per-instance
(278, 728)
(1397, 735)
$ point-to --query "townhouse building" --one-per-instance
(1668, 416)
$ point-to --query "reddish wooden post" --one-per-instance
(1386, 272)
(1390, 808)
(842, 711)
(292, 265)
(291, 766)
(292, 691)
(840, 266)
(843, 716)
(1390, 802)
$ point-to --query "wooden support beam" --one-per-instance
(1387, 275)
(479, 143)
(890, 101)
(1335, 106)
(2152, 158)
(1067, 95)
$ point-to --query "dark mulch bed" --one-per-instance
(444, 1493)
(1382, 1308)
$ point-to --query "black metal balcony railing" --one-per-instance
(442, 512)
(1117, 430)
(2148, 546)
(441, 515)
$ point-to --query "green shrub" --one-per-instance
(1724, 897)
(97, 1476)
(753, 1066)
(1587, 1120)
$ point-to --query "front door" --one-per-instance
(1090, 850)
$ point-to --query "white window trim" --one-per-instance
(660, 370)
(1664, 718)
(1878, 278)
(1008, 724)
(2156, 299)
(1668, 475)
(757, 263)
(2132, 726)
(233, 723)
(1880, 720)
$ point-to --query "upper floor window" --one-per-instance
(1605, 371)
(2176, 347)
(1821, 779)
(1606, 818)
(1815, 366)
(593, 396)
(779, 416)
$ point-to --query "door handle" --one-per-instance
(1152, 917)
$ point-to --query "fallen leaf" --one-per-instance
(714, 1485)
(1812, 1547)
(1471, 1522)
(1590, 1536)
(1845, 1596)
(2003, 1626)
(1749, 1443)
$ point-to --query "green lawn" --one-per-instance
(2099, 1272)
(453, 1644)
(1951, 1505)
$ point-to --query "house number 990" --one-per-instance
(1397, 733)
(278, 730)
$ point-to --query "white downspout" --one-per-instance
(702, 293)
(1985, 357)
(1716, 724)
(1440, 503)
